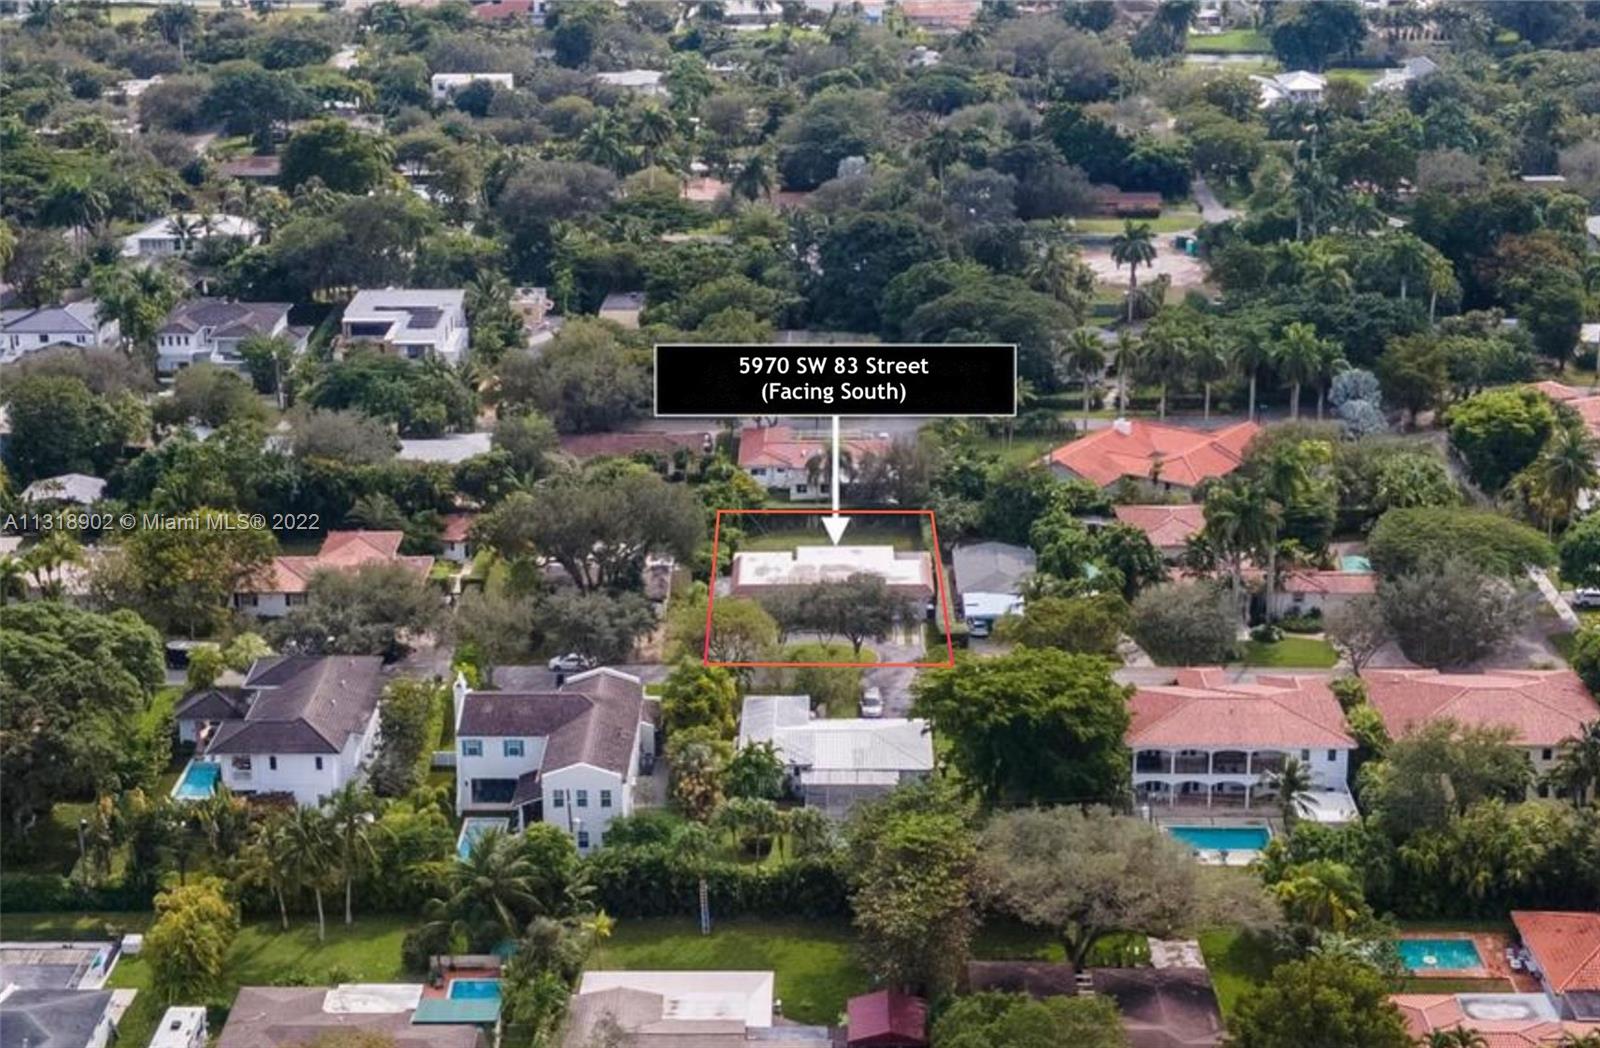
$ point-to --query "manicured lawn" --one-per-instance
(1362, 77)
(785, 533)
(1011, 941)
(1238, 963)
(1020, 451)
(814, 961)
(1234, 41)
(265, 955)
(51, 846)
(32, 926)
(1171, 220)
(1310, 652)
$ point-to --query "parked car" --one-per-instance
(1513, 958)
(872, 703)
(571, 662)
(1586, 598)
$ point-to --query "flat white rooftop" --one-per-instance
(809, 565)
(694, 995)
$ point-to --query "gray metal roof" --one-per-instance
(991, 567)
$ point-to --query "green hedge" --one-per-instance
(52, 893)
(652, 882)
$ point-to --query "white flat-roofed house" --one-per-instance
(835, 764)
(412, 322)
(567, 755)
(908, 573)
(696, 996)
(308, 726)
(285, 583)
(645, 81)
(210, 330)
(446, 84)
(1215, 742)
(182, 233)
(24, 331)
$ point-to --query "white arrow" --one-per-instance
(835, 524)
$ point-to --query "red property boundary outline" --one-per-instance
(944, 598)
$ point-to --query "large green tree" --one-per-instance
(1036, 725)
(1337, 1002)
(184, 576)
(187, 946)
(984, 1020)
(341, 157)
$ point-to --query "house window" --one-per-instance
(583, 798)
(512, 747)
(583, 838)
(241, 764)
(558, 800)
(294, 600)
(1333, 755)
(1546, 753)
(1544, 790)
(605, 798)
(1305, 755)
(319, 763)
(272, 764)
(472, 747)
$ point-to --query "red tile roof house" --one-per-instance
(284, 583)
(1502, 1020)
(887, 1019)
(1543, 708)
(456, 536)
(1213, 741)
(1300, 592)
(1167, 527)
(1171, 458)
(1565, 947)
(1585, 401)
(776, 457)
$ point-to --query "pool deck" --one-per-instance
(1205, 818)
(429, 990)
(1491, 949)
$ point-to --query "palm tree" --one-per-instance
(307, 846)
(1293, 785)
(1407, 257)
(653, 127)
(1252, 350)
(1326, 273)
(1166, 351)
(1577, 769)
(1565, 470)
(1330, 362)
(1055, 272)
(754, 179)
(1133, 247)
(1127, 356)
(1460, 1037)
(76, 202)
(264, 864)
(605, 143)
(351, 812)
(1297, 355)
(45, 561)
(184, 230)
(694, 844)
(1086, 355)
(1242, 522)
(819, 467)
(13, 579)
(1208, 362)
(491, 890)
(941, 148)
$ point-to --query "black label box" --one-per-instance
(699, 380)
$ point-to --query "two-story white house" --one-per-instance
(301, 725)
(1543, 710)
(411, 322)
(209, 331)
(782, 460)
(24, 331)
(568, 755)
(1215, 742)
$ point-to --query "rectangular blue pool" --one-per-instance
(475, 826)
(1438, 955)
(1233, 839)
(474, 989)
(199, 781)
(1355, 562)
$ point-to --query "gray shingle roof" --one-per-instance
(74, 317)
(991, 567)
(593, 719)
(303, 704)
(228, 319)
(51, 1018)
(214, 704)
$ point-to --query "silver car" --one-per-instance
(872, 703)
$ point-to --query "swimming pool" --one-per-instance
(475, 826)
(475, 989)
(1222, 838)
(1438, 955)
(199, 781)
(1354, 562)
